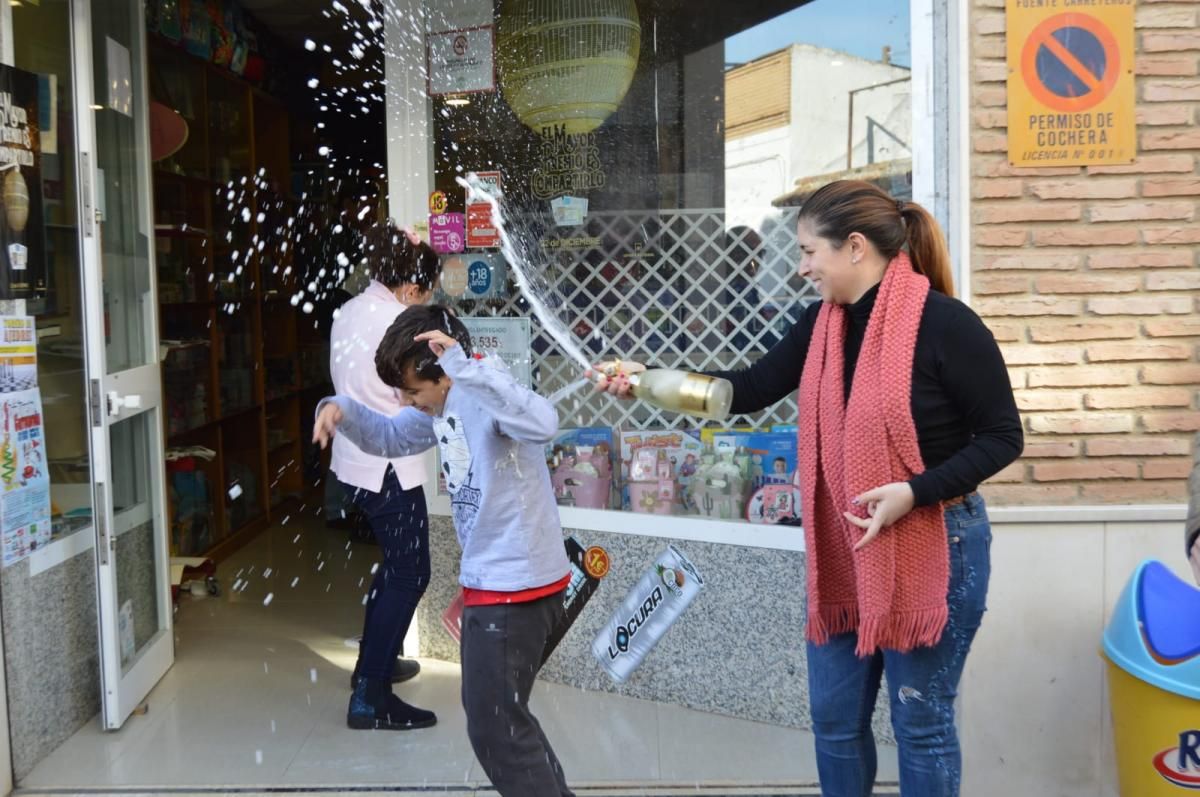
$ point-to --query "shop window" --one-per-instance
(652, 165)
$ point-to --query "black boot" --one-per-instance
(374, 707)
(404, 670)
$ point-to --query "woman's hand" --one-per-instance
(438, 341)
(326, 426)
(1194, 559)
(885, 505)
(612, 377)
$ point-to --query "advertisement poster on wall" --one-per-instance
(22, 249)
(24, 476)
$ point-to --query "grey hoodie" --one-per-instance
(492, 438)
(1192, 528)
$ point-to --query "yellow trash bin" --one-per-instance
(1152, 645)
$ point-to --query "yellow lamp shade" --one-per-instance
(16, 200)
(567, 64)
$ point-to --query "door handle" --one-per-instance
(116, 401)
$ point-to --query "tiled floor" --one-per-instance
(257, 698)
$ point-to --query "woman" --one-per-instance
(905, 407)
(1191, 529)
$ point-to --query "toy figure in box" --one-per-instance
(652, 485)
(583, 479)
(722, 483)
(680, 453)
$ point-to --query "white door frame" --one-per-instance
(120, 692)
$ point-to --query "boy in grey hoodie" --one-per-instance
(491, 434)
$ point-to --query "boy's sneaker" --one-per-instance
(374, 707)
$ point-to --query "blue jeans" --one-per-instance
(400, 522)
(922, 684)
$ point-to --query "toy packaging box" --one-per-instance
(657, 470)
(581, 467)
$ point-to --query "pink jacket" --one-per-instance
(356, 334)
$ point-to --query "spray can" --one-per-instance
(649, 609)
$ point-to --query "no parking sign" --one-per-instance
(1070, 84)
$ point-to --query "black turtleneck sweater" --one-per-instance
(962, 401)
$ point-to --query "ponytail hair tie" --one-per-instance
(900, 206)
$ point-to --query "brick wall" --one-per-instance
(1089, 279)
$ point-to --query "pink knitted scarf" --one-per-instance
(893, 591)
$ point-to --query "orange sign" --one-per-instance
(596, 562)
(438, 202)
(1070, 84)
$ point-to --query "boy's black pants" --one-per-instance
(501, 655)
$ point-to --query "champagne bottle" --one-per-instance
(682, 391)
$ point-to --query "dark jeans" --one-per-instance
(922, 684)
(400, 523)
(501, 655)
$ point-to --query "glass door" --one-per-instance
(122, 353)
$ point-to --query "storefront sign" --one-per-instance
(567, 164)
(447, 232)
(24, 479)
(481, 232)
(569, 211)
(474, 276)
(438, 203)
(18, 353)
(22, 267)
(1070, 84)
(508, 338)
(461, 61)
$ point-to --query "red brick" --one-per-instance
(1007, 333)
(1152, 17)
(1128, 446)
(990, 142)
(1172, 422)
(1171, 374)
(1031, 306)
(1083, 235)
(1031, 261)
(1147, 164)
(1047, 400)
(1166, 65)
(991, 284)
(1000, 236)
(998, 189)
(1084, 189)
(1177, 258)
(991, 166)
(1173, 281)
(991, 119)
(1084, 471)
(987, 24)
(1135, 492)
(1179, 234)
(1174, 139)
(991, 47)
(1084, 283)
(1048, 449)
(1171, 90)
(1167, 468)
(1082, 423)
(1057, 332)
(1170, 42)
(1171, 186)
(1030, 494)
(1132, 398)
(1173, 327)
(1140, 305)
(1143, 211)
(1013, 474)
(1125, 352)
(1082, 376)
(990, 96)
(1041, 355)
(1005, 212)
(990, 72)
(1164, 115)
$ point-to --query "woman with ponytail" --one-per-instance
(905, 408)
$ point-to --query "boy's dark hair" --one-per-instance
(393, 260)
(400, 357)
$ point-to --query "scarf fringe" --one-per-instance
(902, 631)
(830, 619)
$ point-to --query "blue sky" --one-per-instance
(859, 27)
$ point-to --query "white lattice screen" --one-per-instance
(674, 288)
